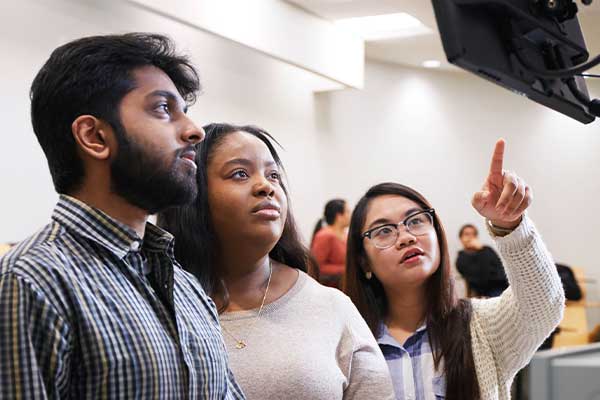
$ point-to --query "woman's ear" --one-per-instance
(91, 135)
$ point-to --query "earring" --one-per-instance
(368, 274)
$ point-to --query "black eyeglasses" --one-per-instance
(418, 224)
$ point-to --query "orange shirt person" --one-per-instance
(329, 242)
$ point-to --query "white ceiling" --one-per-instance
(414, 50)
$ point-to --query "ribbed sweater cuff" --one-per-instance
(517, 239)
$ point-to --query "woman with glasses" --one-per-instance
(398, 275)
(287, 336)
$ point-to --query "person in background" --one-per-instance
(288, 337)
(399, 277)
(572, 293)
(94, 305)
(328, 244)
(567, 277)
(479, 265)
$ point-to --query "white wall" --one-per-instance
(277, 28)
(240, 86)
(431, 130)
(435, 131)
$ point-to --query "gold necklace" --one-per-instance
(240, 343)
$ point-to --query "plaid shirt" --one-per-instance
(411, 366)
(89, 310)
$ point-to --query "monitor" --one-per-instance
(521, 45)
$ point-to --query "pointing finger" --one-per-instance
(497, 158)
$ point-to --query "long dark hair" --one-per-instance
(332, 209)
(195, 238)
(448, 319)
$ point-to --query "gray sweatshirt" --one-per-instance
(311, 343)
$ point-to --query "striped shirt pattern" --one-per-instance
(90, 310)
(411, 366)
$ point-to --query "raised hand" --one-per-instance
(504, 196)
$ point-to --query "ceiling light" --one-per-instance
(431, 64)
(386, 26)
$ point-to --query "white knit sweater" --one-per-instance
(507, 330)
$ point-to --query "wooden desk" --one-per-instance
(574, 326)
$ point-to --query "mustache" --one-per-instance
(186, 149)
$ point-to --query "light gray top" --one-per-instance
(311, 343)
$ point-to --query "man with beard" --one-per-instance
(94, 304)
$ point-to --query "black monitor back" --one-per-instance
(491, 38)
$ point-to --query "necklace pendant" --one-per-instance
(240, 344)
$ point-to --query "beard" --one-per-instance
(147, 180)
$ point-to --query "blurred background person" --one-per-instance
(572, 293)
(479, 265)
(328, 244)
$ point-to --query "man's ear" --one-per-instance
(92, 136)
